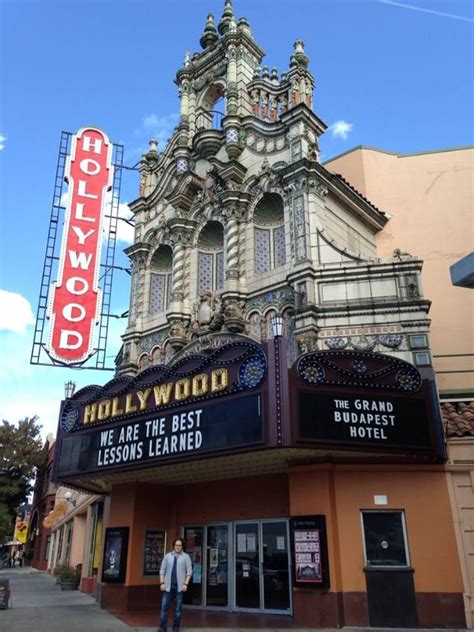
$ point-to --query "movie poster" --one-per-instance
(154, 543)
(115, 554)
(309, 550)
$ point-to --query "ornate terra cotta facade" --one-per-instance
(305, 470)
(237, 219)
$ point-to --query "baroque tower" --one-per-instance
(238, 220)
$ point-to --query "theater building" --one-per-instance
(270, 405)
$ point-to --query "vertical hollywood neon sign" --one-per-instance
(75, 299)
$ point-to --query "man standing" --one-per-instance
(175, 575)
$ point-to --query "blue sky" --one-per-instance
(396, 75)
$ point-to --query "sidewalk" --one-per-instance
(38, 605)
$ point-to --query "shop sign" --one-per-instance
(204, 404)
(75, 298)
(309, 550)
(160, 438)
(364, 400)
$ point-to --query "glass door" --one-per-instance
(262, 566)
(208, 547)
(247, 565)
(217, 566)
(276, 572)
(193, 541)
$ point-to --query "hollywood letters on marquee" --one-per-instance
(202, 405)
(75, 297)
(222, 401)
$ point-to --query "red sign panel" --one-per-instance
(75, 300)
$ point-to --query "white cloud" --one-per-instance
(15, 312)
(2, 141)
(341, 129)
(159, 127)
(30, 389)
(125, 232)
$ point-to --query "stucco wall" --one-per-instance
(430, 199)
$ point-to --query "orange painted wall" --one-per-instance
(235, 499)
(342, 492)
(429, 197)
(140, 506)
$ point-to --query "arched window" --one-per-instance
(270, 249)
(211, 258)
(160, 279)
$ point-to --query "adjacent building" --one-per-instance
(429, 196)
(44, 493)
(275, 402)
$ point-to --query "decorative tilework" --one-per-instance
(299, 227)
(255, 325)
(279, 246)
(219, 270)
(262, 250)
(232, 135)
(133, 297)
(157, 293)
(169, 286)
(295, 151)
(204, 272)
(181, 165)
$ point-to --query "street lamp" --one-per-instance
(68, 497)
(69, 388)
(277, 325)
(277, 331)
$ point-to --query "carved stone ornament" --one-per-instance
(212, 189)
(234, 315)
(178, 334)
(207, 313)
(307, 342)
(267, 179)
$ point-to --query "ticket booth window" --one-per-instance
(385, 538)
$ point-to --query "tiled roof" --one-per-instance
(458, 418)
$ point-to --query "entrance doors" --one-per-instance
(262, 574)
(240, 566)
(208, 547)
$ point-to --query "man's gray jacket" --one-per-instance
(184, 569)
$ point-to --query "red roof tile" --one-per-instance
(458, 418)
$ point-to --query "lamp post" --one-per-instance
(277, 331)
(69, 388)
(69, 498)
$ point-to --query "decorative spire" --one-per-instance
(210, 34)
(152, 153)
(227, 16)
(244, 25)
(299, 57)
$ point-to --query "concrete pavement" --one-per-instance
(38, 605)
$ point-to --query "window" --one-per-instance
(67, 553)
(160, 280)
(384, 538)
(270, 247)
(211, 258)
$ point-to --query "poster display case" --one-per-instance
(114, 566)
(154, 547)
(309, 551)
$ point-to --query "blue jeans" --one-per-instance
(166, 599)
